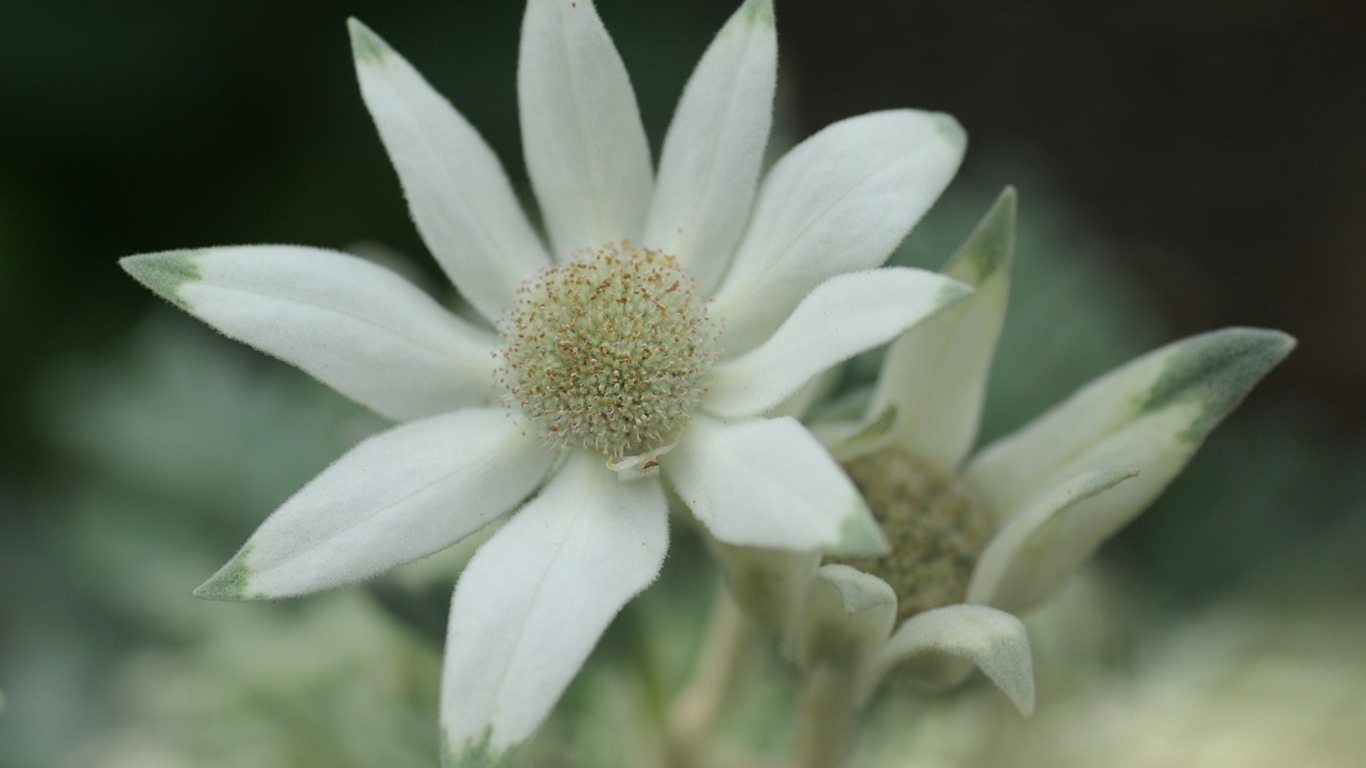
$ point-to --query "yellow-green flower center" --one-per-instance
(936, 526)
(607, 351)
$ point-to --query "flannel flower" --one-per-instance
(666, 317)
(978, 540)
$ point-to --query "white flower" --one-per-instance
(667, 316)
(977, 540)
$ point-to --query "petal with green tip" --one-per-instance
(838, 202)
(709, 166)
(768, 483)
(935, 374)
(400, 495)
(534, 600)
(993, 640)
(842, 317)
(457, 191)
(848, 616)
(1151, 414)
(355, 326)
(581, 132)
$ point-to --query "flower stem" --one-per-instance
(721, 669)
(826, 719)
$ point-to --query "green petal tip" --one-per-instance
(757, 12)
(1218, 370)
(991, 246)
(950, 129)
(860, 536)
(366, 46)
(165, 273)
(230, 583)
(474, 754)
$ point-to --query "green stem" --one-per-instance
(826, 719)
(722, 668)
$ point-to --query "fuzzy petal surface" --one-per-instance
(585, 146)
(353, 325)
(398, 496)
(769, 483)
(993, 640)
(1150, 414)
(534, 600)
(838, 202)
(709, 166)
(842, 317)
(458, 194)
(1028, 560)
(848, 616)
(935, 373)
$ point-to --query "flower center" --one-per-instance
(936, 526)
(607, 352)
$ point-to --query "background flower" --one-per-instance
(1005, 528)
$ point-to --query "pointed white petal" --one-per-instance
(842, 317)
(1151, 414)
(935, 374)
(581, 133)
(534, 600)
(993, 640)
(768, 483)
(839, 202)
(710, 163)
(458, 194)
(355, 326)
(1029, 559)
(848, 616)
(398, 496)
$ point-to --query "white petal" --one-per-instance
(935, 374)
(457, 191)
(581, 133)
(357, 327)
(534, 600)
(842, 317)
(710, 162)
(1151, 414)
(839, 202)
(768, 483)
(398, 496)
(848, 616)
(1029, 559)
(993, 640)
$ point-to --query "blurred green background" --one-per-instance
(1182, 166)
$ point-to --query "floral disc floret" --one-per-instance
(936, 525)
(607, 352)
